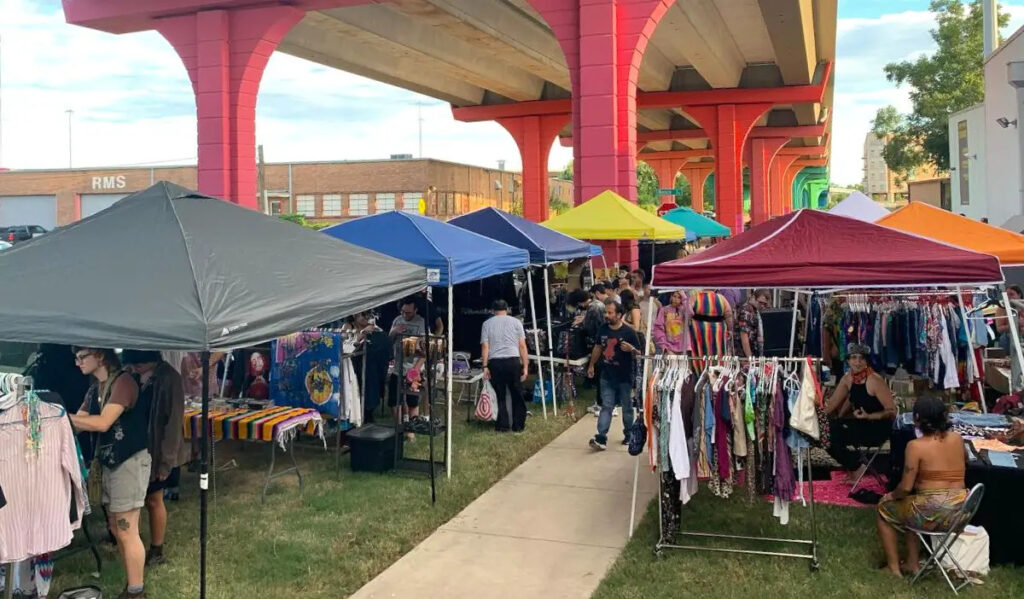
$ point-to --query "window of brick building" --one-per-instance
(385, 202)
(411, 202)
(305, 205)
(358, 204)
(332, 204)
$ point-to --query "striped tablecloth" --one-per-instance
(278, 424)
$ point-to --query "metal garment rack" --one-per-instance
(811, 544)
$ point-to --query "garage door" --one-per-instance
(28, 210)
(95, 202)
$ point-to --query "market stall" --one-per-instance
(859, 206)
(697, 225)
(546, 247)
(812, 250)
(935, 223)
(451, 255)
(92, 284)
(610, 217)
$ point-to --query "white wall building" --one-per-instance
(984, 156)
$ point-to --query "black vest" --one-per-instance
(130, 432)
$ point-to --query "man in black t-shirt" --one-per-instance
(617, 344)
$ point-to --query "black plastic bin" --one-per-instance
(372, 448)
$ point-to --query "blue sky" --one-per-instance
(133, 104)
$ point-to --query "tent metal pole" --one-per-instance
(643, 405)
(551, 343)
(975, 371)
(536, 344)
(204, 471)
(448, 375)
(1013, 334)
(792, 329)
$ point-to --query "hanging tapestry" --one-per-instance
(306, 372)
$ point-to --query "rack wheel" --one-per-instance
(815, 565)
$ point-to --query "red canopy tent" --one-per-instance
(809, 249)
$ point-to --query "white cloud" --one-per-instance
(133, 104)
(863, 47)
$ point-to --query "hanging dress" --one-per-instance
(708, 324)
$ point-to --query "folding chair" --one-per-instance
(871, 453)
(944, 540)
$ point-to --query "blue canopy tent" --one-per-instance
(546, 246)
(697, 225)
(450, 254)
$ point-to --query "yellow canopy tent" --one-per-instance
(609, 216)
(941, 225)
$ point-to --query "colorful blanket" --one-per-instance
(277, 424)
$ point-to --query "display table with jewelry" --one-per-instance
(256, 421)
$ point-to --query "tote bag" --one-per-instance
(487, 404)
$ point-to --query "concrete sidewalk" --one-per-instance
(551, 528)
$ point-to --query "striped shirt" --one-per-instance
(38, 487)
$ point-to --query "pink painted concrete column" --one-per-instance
(779, 193)
(535, 135)
(728, 126)
(225, 53)
(603, 42)
(697, 176)
(761, 152)
(666, 170)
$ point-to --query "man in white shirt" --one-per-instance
(503, 352)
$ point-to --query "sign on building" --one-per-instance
(112, 182)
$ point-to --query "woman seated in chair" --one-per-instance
(863, 411)
(931, 493)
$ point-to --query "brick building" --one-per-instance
(321, 191)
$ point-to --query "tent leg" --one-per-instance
(204, 471)
(448, 376)
(643, 404)
(551, 342)
(792, 329)
(974, 371)
(1013, 334)
(536, 345)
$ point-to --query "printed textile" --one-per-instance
(306, 372)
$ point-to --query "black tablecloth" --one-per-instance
(1000, 507)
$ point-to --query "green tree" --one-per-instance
(646, 186)
(950, 79)
(566, 174)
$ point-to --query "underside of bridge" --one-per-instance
(692, 86)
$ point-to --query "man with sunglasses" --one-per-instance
(748, 336)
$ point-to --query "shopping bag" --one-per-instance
(487, 403)
(547, 392)
(87, 592)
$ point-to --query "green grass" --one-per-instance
(848, 550)
(327, 541)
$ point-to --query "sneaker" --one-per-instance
(155, 556)
(126, 595)
(625, 441)
(594, 409)
(597, 445)
(617, 412)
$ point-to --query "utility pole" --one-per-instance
(419, 118)
(262, 180)
(70, 114)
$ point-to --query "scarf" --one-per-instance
(858, 378)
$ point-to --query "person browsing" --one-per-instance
(503, 352)
(617, 345)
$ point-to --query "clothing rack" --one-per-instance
(811, 544)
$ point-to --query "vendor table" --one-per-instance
(277, 426)
(1000, 507)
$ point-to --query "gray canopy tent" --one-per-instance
(169, 268)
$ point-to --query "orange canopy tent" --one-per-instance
(941, 225)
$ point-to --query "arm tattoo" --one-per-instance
(123, 524)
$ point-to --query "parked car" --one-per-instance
(19, 233)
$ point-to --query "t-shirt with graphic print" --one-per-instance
(616, 364)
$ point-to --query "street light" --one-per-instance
(70, 114)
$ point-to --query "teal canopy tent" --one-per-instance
(697, 225)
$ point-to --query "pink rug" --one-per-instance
(837, 491)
